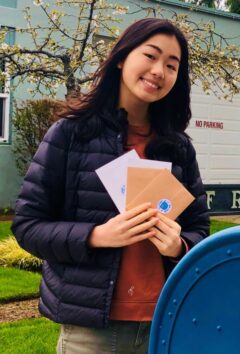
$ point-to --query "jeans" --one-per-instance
(121, 337)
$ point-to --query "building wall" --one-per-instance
(9, 179)
(11, 16)
(215, 130)
(8, 3)
(226, 24)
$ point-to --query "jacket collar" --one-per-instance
(115, 122)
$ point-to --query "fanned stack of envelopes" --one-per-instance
(159, 187)
(131, 181)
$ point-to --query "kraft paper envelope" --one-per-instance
(165, 192)
(137, 179)
(113, 176)
(148, 169)
(149, 164)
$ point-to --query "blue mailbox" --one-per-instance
(198, 311)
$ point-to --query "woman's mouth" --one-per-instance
(150, 84)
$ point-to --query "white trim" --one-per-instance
(6, 123)
(6, 110)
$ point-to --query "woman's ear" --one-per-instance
(120, 65)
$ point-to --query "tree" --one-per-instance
(68, 48)
(234, 6)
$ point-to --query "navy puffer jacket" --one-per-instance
(62, 200)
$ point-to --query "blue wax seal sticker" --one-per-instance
(123, 189)
(164, 205)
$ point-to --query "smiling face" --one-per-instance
(150, 71)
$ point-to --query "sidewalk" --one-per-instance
(230, 218)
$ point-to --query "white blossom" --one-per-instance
(54, 17)
(38, 2)
(4, 46)
(100, 42)
(120, 10)
(117, 32)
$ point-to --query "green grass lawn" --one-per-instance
(5, 229)
(220, 225)
(36, 336)
(215, 226)
(18, 284)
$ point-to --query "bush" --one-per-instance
(31, 121)
(12, 255)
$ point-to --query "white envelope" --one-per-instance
(114, 177)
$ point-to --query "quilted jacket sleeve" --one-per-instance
(36, 225)
(195, 219)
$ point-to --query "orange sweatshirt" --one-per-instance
(141, 274)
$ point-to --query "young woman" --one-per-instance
(103, 271)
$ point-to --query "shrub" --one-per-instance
(12, 255)
(31, 121)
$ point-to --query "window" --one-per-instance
(105, 39)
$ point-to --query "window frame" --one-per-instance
(5, 95)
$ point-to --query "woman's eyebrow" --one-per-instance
(174, 57)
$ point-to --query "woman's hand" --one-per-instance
(126, 228)
(167, 239)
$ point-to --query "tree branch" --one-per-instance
(90, 18)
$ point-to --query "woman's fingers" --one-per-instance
(143, 227)
(141, 237)
(158, 243)
(172, 250)
(136, 211)
(162, 247)
(164, 221)
(140, 218)
(168, 244)
(164, 233)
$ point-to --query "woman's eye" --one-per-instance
(150, 56)
(172, 67)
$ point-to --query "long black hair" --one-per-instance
(168, 116)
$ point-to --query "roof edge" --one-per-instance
(197, 8)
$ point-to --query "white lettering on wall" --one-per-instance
(235, 200)
(210, 195)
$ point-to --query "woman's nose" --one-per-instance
(158, 70)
